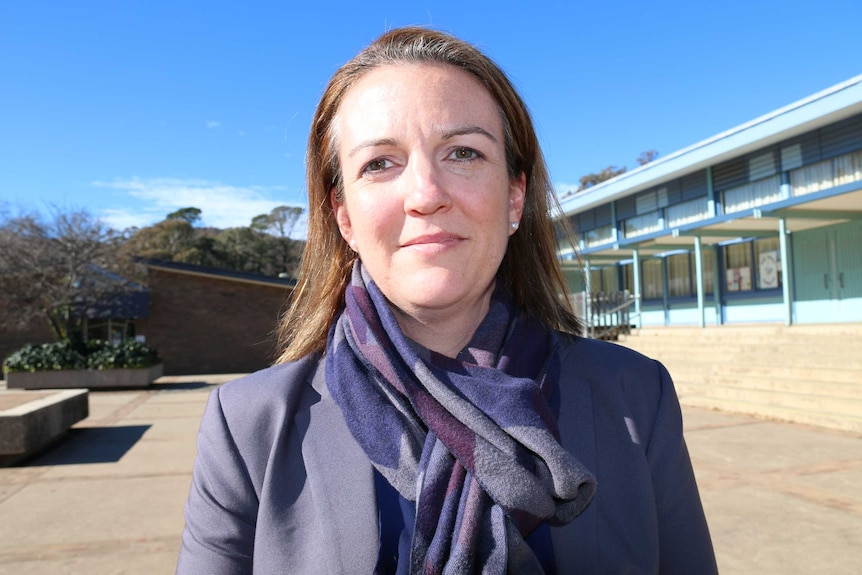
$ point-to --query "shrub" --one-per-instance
(132, 354)
(97, 355)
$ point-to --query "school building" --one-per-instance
(761, 223)
(739, 260)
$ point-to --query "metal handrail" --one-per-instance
(606, 323)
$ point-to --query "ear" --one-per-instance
(517, 195)
(342, 218)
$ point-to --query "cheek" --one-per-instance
(370, 222)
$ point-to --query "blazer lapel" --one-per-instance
(341, 479)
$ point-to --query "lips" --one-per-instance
(432, 239)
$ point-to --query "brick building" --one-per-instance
(206, 320)
(201, 320)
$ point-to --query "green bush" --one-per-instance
(97, 355)
(132, 354)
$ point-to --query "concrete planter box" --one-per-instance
(32, 420)
(84, 378)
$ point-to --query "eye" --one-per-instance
(465, 154)
(377, 165)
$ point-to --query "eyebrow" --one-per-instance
(468, 130)
(371, 144)
(448, 134)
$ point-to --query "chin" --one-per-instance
(436, 292)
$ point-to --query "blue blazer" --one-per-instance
(281, 486)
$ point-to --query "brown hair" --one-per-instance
(530, 269)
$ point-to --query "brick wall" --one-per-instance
(202, 324)
(12, 339)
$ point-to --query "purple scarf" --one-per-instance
(472, 441)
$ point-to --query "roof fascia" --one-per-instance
(820, 109)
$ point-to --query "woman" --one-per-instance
(431, 411)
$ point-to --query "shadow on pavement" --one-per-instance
(90, 445)
(182, 386)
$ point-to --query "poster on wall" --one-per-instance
(739, 279)
(767, 271)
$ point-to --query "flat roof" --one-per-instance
(826, 107)
(230, 275)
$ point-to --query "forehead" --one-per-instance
(429, 94)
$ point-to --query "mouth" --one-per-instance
(439, 239)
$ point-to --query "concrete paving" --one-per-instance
(780, 497)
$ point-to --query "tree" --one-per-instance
(58, 270)
(173, 239)
(647, 157)
(264, 247)
(190, 215)
(591, 180)
(280, 221)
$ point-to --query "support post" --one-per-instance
(698, 272)
(588, 289)
(785, 271)
(636, 274)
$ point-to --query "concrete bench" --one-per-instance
(31, 420)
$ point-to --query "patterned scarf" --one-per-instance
(472, 441)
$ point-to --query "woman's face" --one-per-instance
(427, 200)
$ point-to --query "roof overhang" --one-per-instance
(826, 107)
(819, 209)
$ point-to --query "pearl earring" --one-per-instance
(515, 226)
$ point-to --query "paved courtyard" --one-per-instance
(780, 497)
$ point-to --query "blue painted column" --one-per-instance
(698, 272)
(587, 304)
(717, 285)
(636, 274)
(785, 271)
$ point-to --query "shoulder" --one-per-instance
(281, 382)
(254, 409)
(621, 383)
(593, 357)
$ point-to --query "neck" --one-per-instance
(444, 331)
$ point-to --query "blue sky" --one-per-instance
(133, 109)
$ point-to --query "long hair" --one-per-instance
(530, 269)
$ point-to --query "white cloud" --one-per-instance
(221, 205)
(213, 123)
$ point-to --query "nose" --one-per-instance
(425, 190)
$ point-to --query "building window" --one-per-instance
(629, 277)
(114, 331)
(752, 195)
(708, 270)
(687, 212)
(827, 174)
(767, 257)
(679, 275)
(609, 278)
(652, 279)
(737, 266)
(640, 225)
(761, 166)
(603, 279)
(599, 236)
(751, 266)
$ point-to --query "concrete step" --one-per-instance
(808, 374)
(829, 420)
(836, 390)
(778, 372)
(800, 358)
(777, 398)
(809, 366)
